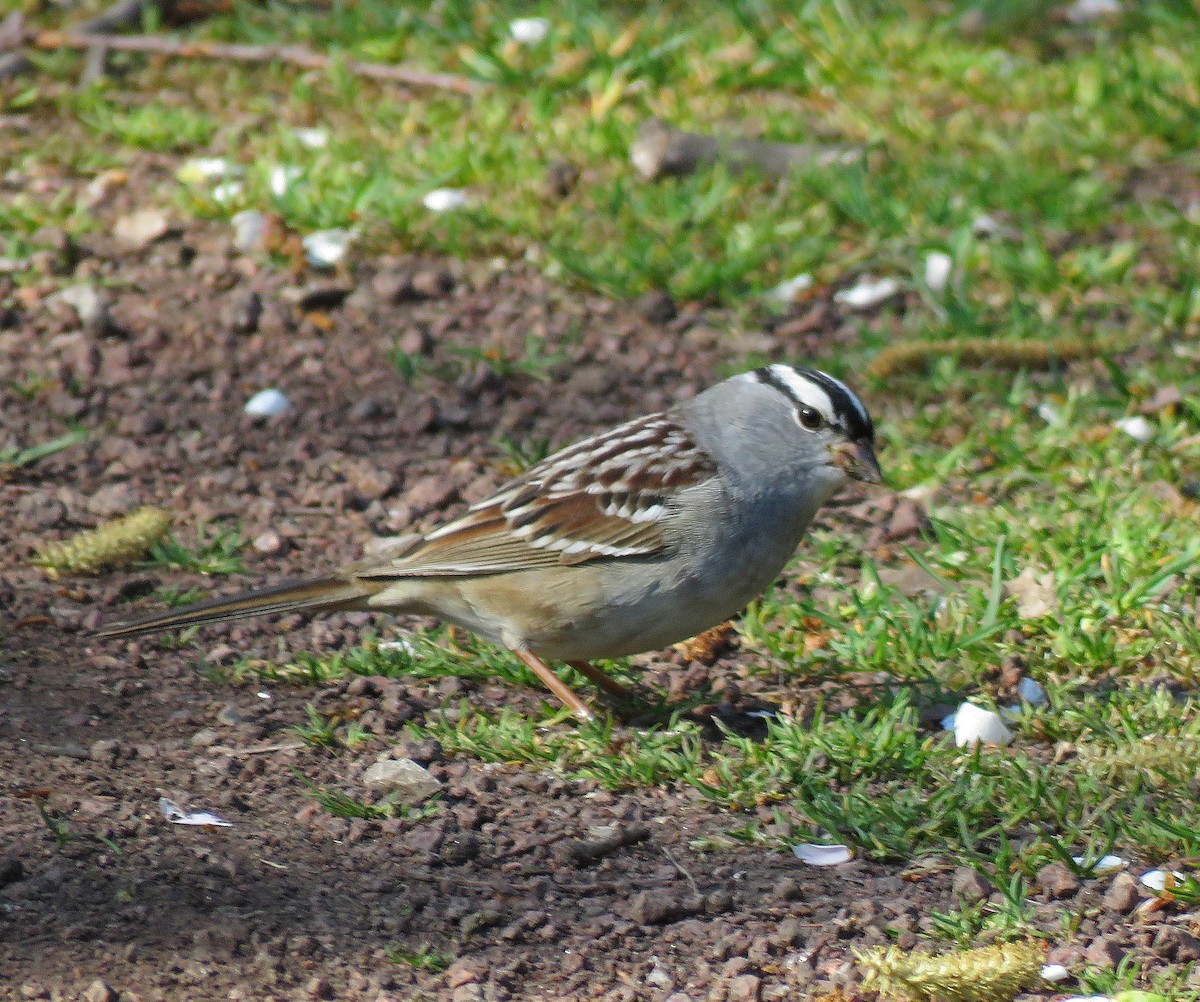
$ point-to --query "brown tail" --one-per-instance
(318, 594)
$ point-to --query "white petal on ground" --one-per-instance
(822, 855)
(786, 292)
(529, 30)
(867, 292)
(282, 176)
(178, 816)
(1032, 693)
(938, 266)
(200, 170)
(974, 725)
(267, 403)
(249, 228)
(314, 139)
(1103, 866)
(226, 192)
(1054, 973)
(1156, 880)
(1137, 428)
(444, 199)
(325, 248)
(1049, 414)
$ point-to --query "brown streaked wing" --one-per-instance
(603, 497)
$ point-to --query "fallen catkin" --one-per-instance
(113, 544)
(912, 356)
(989, 974)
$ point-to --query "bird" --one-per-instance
(625, 542)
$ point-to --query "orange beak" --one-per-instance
(857, 460)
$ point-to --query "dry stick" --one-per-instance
(911, 356)
(663, 151)
(293, 55)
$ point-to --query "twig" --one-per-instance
(293, 55)
(662, 151)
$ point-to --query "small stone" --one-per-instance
(267, 403)
(319, 988)
(100, 991)
(106, 750)
(561, 178)
(969, 885)
(938, 266)
(249, 231)
(430, 493)
(529, 30)
(325, 248)
(409, 782)
(1105, 951)
(205, 738)
(1057, 880)
(1177, 945)
(138, 229)
(11, 870)
(744, 988)
(1123, 895)
(322, 296)
(445, 199)
(246, 312)
(867, 293)
(646, 908)
(657, 307)
(459, 849)
(465, 971)
(268, 542)
(432, 283)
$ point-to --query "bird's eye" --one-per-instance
(810, 418)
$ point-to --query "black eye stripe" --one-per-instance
(849, 415)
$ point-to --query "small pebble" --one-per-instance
(314, 139)
(786, 292)
(1137, 428)
(822, 855)
(325, 248)
(975, 725)
(142, 227)
(200, 170)
(938, 266)
(529, 30)
(444, 199)
(226, 192)
(249, 229)
(267, 403)
(282, 178)
(867, 293)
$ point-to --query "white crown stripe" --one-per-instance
(804, 390)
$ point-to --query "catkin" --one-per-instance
(113, 544)
(912, 356)
(989, 974)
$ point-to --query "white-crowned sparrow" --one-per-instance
(629, 541)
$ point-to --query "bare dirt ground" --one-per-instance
(292, 902)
